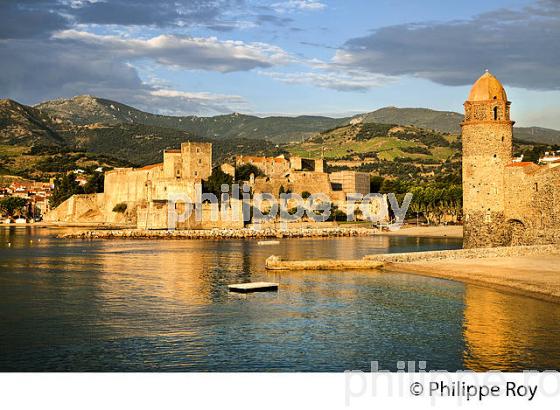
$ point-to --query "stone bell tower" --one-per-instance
(487, 150)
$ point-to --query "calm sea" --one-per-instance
(138, 305)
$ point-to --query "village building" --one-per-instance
(504, 202)
(550, 157)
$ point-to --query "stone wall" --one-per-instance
(351, 181)
(271, 166)
(487, 150)
(476, 253)
(197, 160)
(533, 204)
(79, 209)
(296, 181)
(155, 215)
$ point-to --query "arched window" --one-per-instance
(495, 113)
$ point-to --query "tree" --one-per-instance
(215, 181)
(95, 183)
(375, 183)
(243, 172)
(120, 207)
(64, 188)
(13, 205)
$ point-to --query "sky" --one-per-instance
(293, 57)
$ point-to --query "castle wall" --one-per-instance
(79, 209)
(155, 215)
(351, 181)
(129, 186)
(297, 182)
(533, 204)
(172, 164)
(273, 167)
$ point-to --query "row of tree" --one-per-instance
(436, 202)
(66, 185)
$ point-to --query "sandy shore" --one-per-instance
(535, 275)
(529, 270)
(449, 231)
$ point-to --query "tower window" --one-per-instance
(537, 186)
(495, 113)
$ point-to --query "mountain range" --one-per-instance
(84, 110)
(111, 129)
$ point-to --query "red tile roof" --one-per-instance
(152, 166)
(520, 164)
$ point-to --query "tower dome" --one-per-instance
(487, 88)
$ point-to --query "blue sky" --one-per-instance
(290, 57)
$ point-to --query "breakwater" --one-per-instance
(220, 233)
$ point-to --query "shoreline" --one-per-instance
(472, 277)
(526, 270)
(443, 231)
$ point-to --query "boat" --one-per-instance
(261, 243)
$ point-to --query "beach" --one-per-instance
(530, 275)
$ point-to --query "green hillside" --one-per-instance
(26, 126)
(35, 145)
(378, 141)
(449, 122)
(84, 110)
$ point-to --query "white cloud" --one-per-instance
(298, 5)
(344, 80)
(205, 102)
(185, 52)
(73, 67)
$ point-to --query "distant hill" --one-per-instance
(24, 125)
(36, 145)
(443, 121)
(384, 142)
(84, 110)
(389, 150)
(448, 121)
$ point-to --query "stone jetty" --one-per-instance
(277, 263)
(220, 233)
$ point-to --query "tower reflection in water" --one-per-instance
(508, 332)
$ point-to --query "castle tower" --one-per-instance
(196, 160)
(487, 149)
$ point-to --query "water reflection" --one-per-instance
(164, 305)
(506, 332)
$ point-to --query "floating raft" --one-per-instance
(253, 287)
(268, 243)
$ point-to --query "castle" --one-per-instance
(504, 202)
(141, 197)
